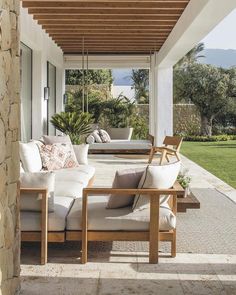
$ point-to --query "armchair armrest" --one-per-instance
(175, 190)
(29, 190)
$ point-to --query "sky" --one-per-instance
(223, 35)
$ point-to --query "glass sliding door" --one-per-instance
(51, 107)
(26, 92)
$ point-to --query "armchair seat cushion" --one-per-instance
(71, 181)
(31, 221)
(123, 219)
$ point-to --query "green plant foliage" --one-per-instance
(75, 77)
(213, 138)
(140, 126)
(73, 124)
(140, 79)
(207, 87)
(117, 112)
(184, 180)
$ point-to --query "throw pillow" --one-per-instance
(128, 178)
(97, 136)
(32, 201)
(30, 157)
(81, 153)
(90, 139)
(162, 177)
(49, 139)
(105, 137)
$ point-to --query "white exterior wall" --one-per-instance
(44, 50)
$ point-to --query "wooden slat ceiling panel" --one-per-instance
(107, 26)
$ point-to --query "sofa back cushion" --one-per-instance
(50, 139)
(30, 157)
(32, 201)
(159, 177)
(128, 178)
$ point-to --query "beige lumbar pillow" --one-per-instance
(128, 178)
(32, 201)
(162, 177)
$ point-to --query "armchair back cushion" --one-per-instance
(32, 201)
(30, 157)
(128, 178)
(160, 177)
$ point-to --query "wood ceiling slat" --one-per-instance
(106, 17)
(105, 5)
(107, 26)
(103, 11)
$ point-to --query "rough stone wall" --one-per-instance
(186, 119)
(9, 152)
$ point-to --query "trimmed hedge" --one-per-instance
(210, 138)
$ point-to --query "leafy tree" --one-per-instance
(75, 77)
(208, 87)
(192, 56)
(140, 84)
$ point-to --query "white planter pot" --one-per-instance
(120, 133)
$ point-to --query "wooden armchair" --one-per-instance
(153, 235)
(171, 147)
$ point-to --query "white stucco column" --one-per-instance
(161, 101)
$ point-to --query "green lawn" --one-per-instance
(219, 158)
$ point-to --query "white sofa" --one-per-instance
(65, 223)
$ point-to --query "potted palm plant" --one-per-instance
(76, 125)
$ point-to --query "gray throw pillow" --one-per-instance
(50, 139)
(32, 201)
(128, 178)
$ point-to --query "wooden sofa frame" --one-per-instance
(44, 236)
(153, 235)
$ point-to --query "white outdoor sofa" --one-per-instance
(68, 222)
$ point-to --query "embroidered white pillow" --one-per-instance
(105, 137)
(90, 139)
(97, 136)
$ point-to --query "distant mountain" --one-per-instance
(121, 77)
(219, 57)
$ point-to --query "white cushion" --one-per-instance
(119, 144)
(32, 201)
(30, 157)
(155, 176)
(71, 181)
(100, 218)
(81, 153)
(31, 221)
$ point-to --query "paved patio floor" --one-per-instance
(121, 272)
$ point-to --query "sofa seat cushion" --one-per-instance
(102, 219)
(31, 221)
(71, 181)
(122, 144)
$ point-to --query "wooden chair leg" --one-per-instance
(177, 156)
(163, 156)
(44, 229)
(173, 245)
(84, 230)
(167, 158)
(151, 155)
(154, 229)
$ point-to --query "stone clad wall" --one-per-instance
(9, 152)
